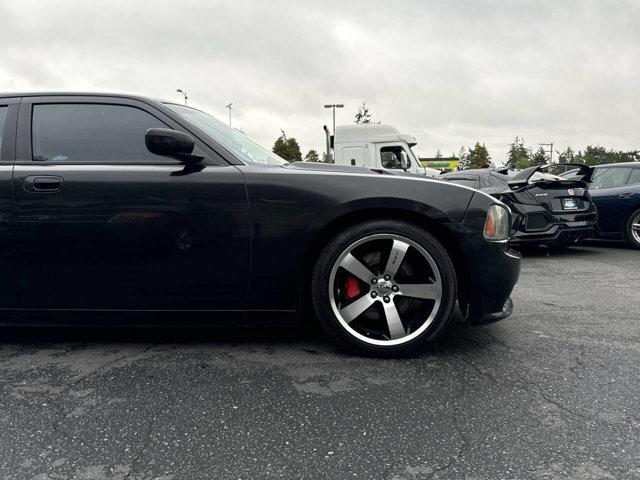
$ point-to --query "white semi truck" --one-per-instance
(374, 145)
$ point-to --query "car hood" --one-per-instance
(331, 167)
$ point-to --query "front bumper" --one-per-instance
(493, 268)
(507, 308)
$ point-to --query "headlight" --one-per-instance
(496, 226)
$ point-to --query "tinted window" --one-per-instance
(612, 178)
(391, 157)
(3, 117)
(598, 172)
(231, 139)
(92, 133)
(634, 178)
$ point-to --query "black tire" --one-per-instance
(322, 300)
(634, 218)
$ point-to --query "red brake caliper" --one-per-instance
(352, 287)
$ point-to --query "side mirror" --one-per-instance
(169, 143)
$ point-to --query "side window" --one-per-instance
(612, 178)
(3, 117)
(391, 157)
(634, 178)
(93, 133)
(598, 172)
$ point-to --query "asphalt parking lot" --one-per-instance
(552, 392)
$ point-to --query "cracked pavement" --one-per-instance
(552, 392)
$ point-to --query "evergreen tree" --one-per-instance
(539, 158)
(312, 156)
(363, 115)
(518, 156)
(287, 148)
(463, 156)
(479, 157)
(568, 156)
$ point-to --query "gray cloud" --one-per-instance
(448, 72)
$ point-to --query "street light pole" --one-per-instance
(183, 92)
(229, 107)
(333, 106)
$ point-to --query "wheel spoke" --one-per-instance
(357, 268)
(636, 226)
(427, 291)
(353, 310)
(396, 329)
(398, 251)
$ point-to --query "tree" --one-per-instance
(539, 158)
(463, 156)
(518, 154)
(568, 156)
(478, 157)
(287, 148)
(438, 154)
(280, 147)
(326, 158)
(312, 156)
(599, 155)
(363, 115)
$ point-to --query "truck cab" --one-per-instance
(376, 146)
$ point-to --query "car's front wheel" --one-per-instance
(633, 229)
(384, 288)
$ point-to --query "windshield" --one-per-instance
(234, 141)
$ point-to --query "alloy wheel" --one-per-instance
(635, 228)
(385, 289)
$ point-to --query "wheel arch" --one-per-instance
(443, 234)
(626, 233)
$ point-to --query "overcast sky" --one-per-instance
(448, 72)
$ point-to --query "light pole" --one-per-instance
(334, 106)
(183, 92)
(229, 107)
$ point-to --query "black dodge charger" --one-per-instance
(546, 209)
(118, 208)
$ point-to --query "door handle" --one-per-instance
(624, 196)
(42, 183)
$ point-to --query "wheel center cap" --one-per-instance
(384, 286)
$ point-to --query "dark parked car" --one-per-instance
(127, 208)
(546, 209)
(616, 192)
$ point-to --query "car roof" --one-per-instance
(620, 165)
(80, 94)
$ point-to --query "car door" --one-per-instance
(8, 274)
(102, 223)
(611, 195)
